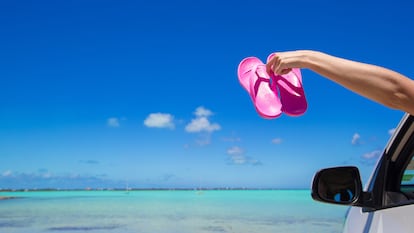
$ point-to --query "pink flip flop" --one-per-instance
(255, 80)
(292, 94)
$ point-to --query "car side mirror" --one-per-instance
(338, 185)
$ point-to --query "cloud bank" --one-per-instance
(237, 157)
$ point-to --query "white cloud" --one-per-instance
(391, 131)
(7, 173)
(356, 139)
(202, 123)
(202, 112)
(159, 120)
(235, 150)
(237, 157)
(277, 141)
(113, 122)
(372, 155)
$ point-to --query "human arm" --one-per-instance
(377, 83)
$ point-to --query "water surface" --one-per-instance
(184, 211)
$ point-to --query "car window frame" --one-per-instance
(390, 168)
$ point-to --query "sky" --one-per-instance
(145, 94)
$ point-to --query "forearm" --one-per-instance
(377, 83)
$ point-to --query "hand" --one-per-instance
(283, 62)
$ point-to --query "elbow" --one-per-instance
(400, 101)
(397, 92)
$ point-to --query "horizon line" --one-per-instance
(143, 189)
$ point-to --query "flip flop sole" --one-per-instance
(292, 94)
(245, 69)
(254, 79)
(267, 102)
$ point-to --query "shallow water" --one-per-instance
(209, 211)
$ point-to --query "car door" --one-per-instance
(390, 206)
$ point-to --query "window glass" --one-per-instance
(408, 176)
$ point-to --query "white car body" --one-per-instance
(386, 204)
(395, 220)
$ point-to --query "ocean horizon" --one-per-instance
(5, 190)
(167, 211)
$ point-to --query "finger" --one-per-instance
(285, 71)
(275, 64)
(269, 68)
(278, 69)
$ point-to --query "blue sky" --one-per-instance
(145, 93)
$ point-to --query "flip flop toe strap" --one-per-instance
(262, 77)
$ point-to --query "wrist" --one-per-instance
(311, 59)
(306, 58)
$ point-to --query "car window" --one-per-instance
(408, 175)
(407, 179)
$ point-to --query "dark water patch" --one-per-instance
(58, 198)
(13, 224)
(324, 224)
(176, 217)
(83, 228)
(298, 221)
(214, 229)
(278, 221)
(9, 198)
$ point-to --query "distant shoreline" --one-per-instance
(144, 189)
(6, 198)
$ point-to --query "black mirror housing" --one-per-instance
(338, 185)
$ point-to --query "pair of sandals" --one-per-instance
(272, 94)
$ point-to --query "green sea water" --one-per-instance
(184, 211)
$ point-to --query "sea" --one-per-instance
(168, 211)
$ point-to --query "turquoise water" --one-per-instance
(241, 211)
